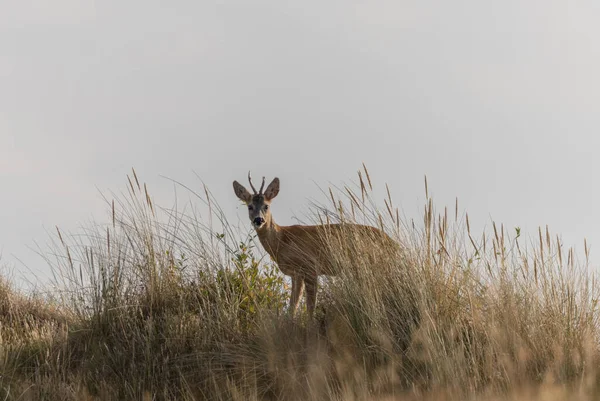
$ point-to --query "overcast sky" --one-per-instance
(497, 103)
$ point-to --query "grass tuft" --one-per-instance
(164, 304)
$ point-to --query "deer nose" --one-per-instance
(258, 221)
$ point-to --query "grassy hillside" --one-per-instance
(174, 305)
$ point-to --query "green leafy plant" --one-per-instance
(253, 285)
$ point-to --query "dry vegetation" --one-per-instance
(168, 305)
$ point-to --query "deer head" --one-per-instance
(259, 203)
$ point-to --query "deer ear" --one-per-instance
(241, 192)
(273, 189)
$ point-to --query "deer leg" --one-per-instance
(311, 295)
(297, 289)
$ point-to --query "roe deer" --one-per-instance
(302, 252)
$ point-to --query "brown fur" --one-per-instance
(301, 252)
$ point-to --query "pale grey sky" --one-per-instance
(496, 102)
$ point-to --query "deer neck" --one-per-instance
(269, 236)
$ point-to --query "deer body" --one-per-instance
(301, 252)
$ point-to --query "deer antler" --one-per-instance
(250, 181)
(262, 186)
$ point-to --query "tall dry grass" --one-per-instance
(175, 304)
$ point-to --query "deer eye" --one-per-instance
(250, 207)
(266, 207)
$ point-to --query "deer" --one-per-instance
(300, 251)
